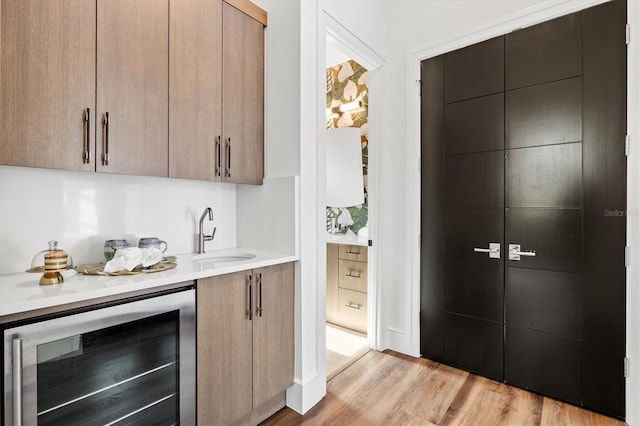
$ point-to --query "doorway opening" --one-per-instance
(351, 303)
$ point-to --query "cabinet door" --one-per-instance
(195, 89)
(242, 97)
(224, 348)
(132, 86)
(272, 332)
(47, 83)
(332, 282)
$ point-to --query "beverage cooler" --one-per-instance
(118, 364)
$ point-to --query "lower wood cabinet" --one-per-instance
(245, 347)
(347, 286)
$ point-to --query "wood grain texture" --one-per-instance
(392, 389)
(133, 84)
(251, 9)
(243, 96)
(224, 350)
(195, 88)
(273, 322)
(47, 82)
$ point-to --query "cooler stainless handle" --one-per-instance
(17, 382)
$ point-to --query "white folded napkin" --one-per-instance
(128, 258)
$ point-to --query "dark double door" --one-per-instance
(524, 196)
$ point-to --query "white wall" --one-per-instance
(82, 209)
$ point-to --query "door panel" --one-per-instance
(546, 301)
(486, 59)
(474, 180)
(543, 363)
(605, 204)
(475, 289)
(474, 344)
(545, 114)
(483, 128)
(547, 176)
(466, 229)
(555, 235)
(545, 52)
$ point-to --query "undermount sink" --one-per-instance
(223, 258)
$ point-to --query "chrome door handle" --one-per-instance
(515, 253)
(493, 250)
(17, 381)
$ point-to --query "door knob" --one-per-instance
(515, 253)
(493, 250)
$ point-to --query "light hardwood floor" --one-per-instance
(392, 389)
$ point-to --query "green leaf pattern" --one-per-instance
(347, 82)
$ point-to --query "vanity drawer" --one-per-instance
(353, 309)
(352, 252)
(352, 275)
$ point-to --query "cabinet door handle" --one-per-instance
(219, 157)
(87, 152)
(229, 158)
(105, 156)
(352, 275)
(259, 307)
(353, 305)
(249, 297)
(16, 382)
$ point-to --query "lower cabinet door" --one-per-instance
(224, 348)
(273, 350)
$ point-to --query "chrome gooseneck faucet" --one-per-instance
(201, 237)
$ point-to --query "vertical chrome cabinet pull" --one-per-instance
(229, 158)
(259, 307)
(86, 157)
(249, 297)
(17, 382)
(105, 156)
(219, 156)
(493, 250)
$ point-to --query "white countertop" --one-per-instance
(21, 292)
(355, 240)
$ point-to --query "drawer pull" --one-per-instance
(352, 275)
(353, 305)
(357, 253)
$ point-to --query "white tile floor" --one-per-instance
(343, 347)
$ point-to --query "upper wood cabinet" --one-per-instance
(62, 75)
(145, 87)
(243, 96)
(132, 86)
(47, 54)
(216, 82)
(195, 90)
